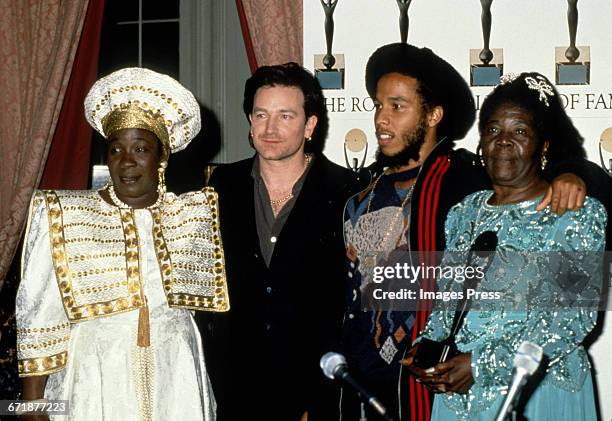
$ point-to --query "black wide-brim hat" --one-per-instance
(448, 87)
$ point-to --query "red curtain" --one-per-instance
(67, 165)
(246, 35)
(272, 30)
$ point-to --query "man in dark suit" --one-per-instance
(281, 226)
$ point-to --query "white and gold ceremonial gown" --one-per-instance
(87, 269)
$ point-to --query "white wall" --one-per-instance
(527, 30)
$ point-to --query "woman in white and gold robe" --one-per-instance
(109, 277)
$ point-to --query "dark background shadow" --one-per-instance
(187, 168)
(10, 386)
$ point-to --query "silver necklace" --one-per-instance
(122, 205)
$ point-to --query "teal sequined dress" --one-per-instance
(525, 238)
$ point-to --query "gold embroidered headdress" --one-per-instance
(138, 98)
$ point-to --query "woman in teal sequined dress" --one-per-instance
(522, 126)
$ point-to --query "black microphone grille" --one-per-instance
(485, 242)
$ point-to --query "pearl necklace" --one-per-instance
(122, 205)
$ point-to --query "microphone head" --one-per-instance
(528, 357)
(331, 362)
(485, 243)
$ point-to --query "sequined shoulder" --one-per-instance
(584, 229)
(461, 216)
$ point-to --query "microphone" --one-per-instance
(334, 367)
(483, 247)
(526, 362)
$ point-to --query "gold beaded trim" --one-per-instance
(86, 224)
(196, 302)
(88, 209)
(144, 105)
(194, 253)
(96, 271)
(64, 275)
(83, 257)
(221, 299)
(43, 345)
(37, 199)
(43, 365)
(42, 329)
(131, 116)
(132, 257)
(94, 290)
(161, 251)
(93, 240)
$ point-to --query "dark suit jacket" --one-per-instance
(263, 354)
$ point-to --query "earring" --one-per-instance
(161, 179)
(479, 155)
(309, 138)
(543, 161)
